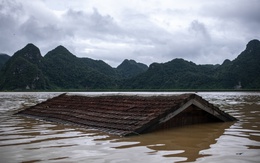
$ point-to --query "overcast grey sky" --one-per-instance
(201, 31)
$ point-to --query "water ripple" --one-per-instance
(28, 140)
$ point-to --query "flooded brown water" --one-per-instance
(29, 140)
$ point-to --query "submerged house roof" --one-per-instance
(128, 115)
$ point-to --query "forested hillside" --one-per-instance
(59, 69)
(3, 58)
(241, 73)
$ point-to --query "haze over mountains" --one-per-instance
(59, 69)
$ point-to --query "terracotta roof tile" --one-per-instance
(122, 115)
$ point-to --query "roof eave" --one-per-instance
(192, 100)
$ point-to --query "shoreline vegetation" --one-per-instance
(138, 90)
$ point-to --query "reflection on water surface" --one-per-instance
(28, 140)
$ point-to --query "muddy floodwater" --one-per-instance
(29, 140)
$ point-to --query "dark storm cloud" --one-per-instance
(199, 31)
(19, 28)
(189, 45)
(35, 30)
(9, 12)
(237, 14)
(244, 11)
(90, 23)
